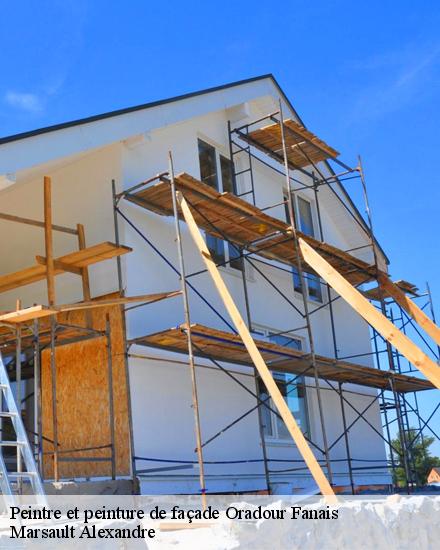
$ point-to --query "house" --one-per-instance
(434, 475)
(132, 417)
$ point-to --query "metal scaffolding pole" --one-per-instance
(195, 399)
(335, 347)
(293, 224)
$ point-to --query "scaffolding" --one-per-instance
(287, 148)
(262, 242)
(27, 332)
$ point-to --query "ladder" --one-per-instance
(11, 482)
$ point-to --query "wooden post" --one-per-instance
(49, 241)
(410, 307)
(257, 358)
(192, 367)
(84, 273)
(111, 412)
(376, 319)
(50, 278)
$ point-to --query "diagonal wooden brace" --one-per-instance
(376, 319)
(266, 376)
(410, 307)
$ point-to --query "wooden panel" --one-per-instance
(78, 259)
(224, 346)
(226, 215)
(303, 147)
(360, 304)
(82, 398)
(266, 377)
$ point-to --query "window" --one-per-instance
(216, 171)
(304, 216)
(293, 391)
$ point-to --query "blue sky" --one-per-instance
(364, 76)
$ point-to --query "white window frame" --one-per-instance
(313, 211)
(275, 439)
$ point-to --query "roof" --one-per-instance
(145, 106)
(152, 104)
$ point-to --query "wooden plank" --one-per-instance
(35, 223)
(80, 258)
(38, 311)
(84, 270)
(59, 266)
(228, 347)
(27, 314)
(146, 298)
(48, 241)
(410, 307)
(226, 215)
(255, 354)
(360, 304)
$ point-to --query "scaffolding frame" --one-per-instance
(24, 336)
(397, 402)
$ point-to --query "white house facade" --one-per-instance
(246, 448)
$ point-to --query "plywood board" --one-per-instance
(82, 398)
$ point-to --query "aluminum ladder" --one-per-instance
(11, 481)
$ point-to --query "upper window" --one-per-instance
(304, 215)
(216, 171)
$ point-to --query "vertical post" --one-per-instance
(48, 239)
(293, 226)
(111, 412)
(116, 229)
(53, 372)
(248, 311)
(38, 442)
(121, 293)
(347, 446)
(18, 391)
(195, 400)
(50, 278)
(335, 346)
(384, 312)
(257, 390)
(384, 405)
(84, 273)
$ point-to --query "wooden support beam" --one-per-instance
(60, 266)
(48, 240)
(36, 223)
(84, 273)
(410, 307)
(360, 304)
(256, 356)
(84, 270)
